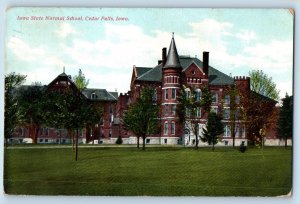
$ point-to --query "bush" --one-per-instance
(119, 140)
(243, 147)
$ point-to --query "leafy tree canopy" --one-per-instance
(261, 83)
(285, 120)
(142, 116)
(31, 112)
(214, 128)
(80, 80)
(12, 114)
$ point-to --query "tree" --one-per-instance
(29, 98)
(285, 120)
(192, 107)
(71, 111)
(234, 111)
(141, 118)
(258, 114)
(214, 128)
(262, 84)
(258, 106)
(11, 113)
(80, 80)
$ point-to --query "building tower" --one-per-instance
(171, 83)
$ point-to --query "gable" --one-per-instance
(194, 71)
(62, 82)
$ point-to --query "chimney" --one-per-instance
(164, 56)
(205, 62)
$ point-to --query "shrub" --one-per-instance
(119, 140)
(243, 147)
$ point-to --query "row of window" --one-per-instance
(166, 128)
(197, 94)
(227, 130)
(173, 109)
(173, 93)
(214, 96)
(171, 79)
(198, 112)
(226, 99)
(149, 140)
(188, 112)
(193, 80)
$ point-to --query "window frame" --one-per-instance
(166, 128)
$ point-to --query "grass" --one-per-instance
(158, 171)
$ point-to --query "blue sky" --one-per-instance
(239, 40)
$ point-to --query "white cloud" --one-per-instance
(246, 35)
(24, 51)
(122, 46)
(64, 30)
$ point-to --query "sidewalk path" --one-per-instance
(85, 146)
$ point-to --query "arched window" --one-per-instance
(197, 94)
(173, 128)
(93, 96)
(166, 128)
(187, 92)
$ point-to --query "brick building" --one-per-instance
(101, 132)
(167, 77)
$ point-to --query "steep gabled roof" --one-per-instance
(215, 77)
(186, 61)
(142, 70)
(100, 94)
(153, 75)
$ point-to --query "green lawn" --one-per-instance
(159, 171)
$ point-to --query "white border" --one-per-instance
(295, 4)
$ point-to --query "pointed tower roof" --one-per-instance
(173, 58)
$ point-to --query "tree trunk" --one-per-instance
(138, 142)
(36, 132)
(213, 143)
(285, 142)
(32, 134)
(144, 144)
(196, 134)
(5, 142)
(76, 148)
(71, 133)
(232, 127)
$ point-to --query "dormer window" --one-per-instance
(93, 96)
(63, 82)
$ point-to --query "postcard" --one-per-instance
(148, 101)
